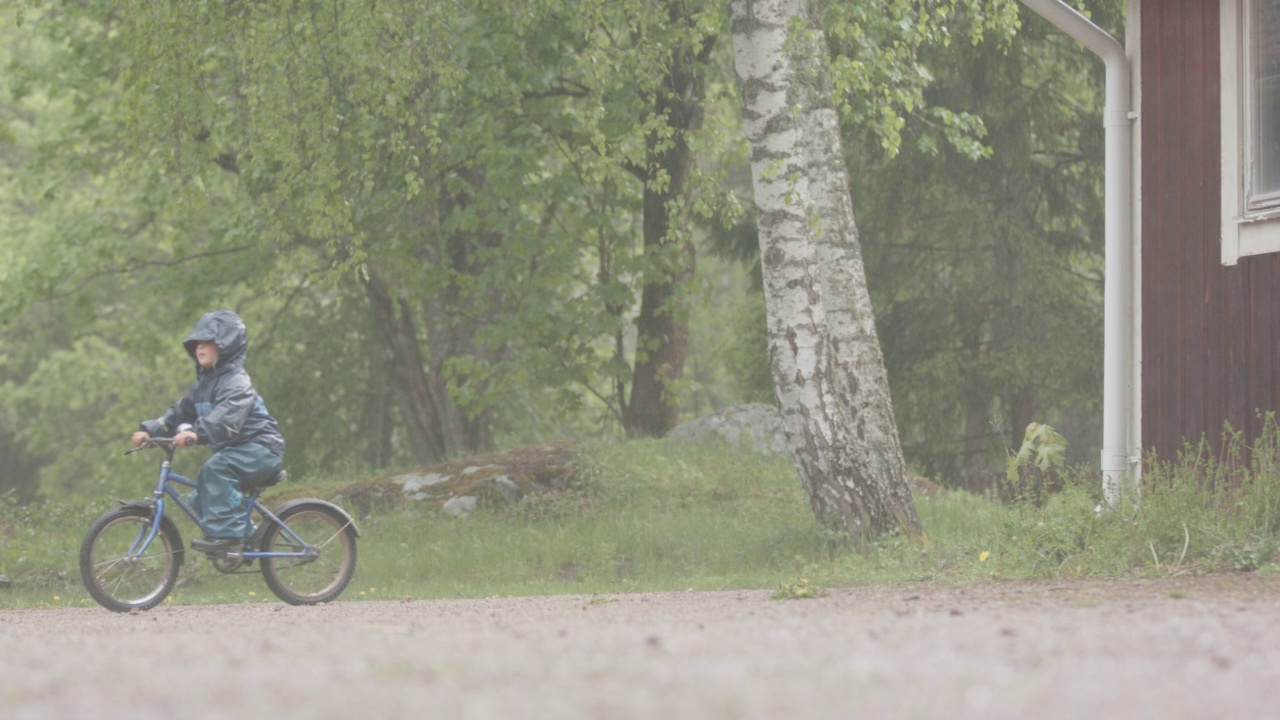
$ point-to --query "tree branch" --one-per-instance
(139, 264)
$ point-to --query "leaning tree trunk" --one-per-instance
(828, 370)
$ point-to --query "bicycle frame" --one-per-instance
(166, 486)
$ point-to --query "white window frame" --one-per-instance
(1244, 232)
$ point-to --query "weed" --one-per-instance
(799, 590)
(1035, 471)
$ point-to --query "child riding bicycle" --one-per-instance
(223, 411)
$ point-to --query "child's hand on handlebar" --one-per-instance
(184, 438)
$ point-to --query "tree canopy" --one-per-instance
(453, 226)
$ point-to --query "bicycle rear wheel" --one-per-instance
(121, 581)
(323, 575)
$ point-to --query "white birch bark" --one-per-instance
(827, 367)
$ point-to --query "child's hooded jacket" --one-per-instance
(221, 406)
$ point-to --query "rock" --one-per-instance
(457, 488)
(459, 506)
(503, 486)
(413, 485)
(753, 425)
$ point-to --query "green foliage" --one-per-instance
(84, 396)
(982, 239)
(976, 177)
(170, 160)
(798, 590)
(1199, 514)
(1035, 470)
(15, 11)
(157, 161)
(1042, 449)
(39, 544)
(881, 71)
(727, 335)
(1064, 537)
(1214, 510)
(482, 162)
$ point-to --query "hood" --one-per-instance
(227, 331)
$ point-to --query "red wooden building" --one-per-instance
(1208, 89)
(1193, 222)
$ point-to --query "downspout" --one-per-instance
(1118, 482)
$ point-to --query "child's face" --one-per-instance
(207, 353)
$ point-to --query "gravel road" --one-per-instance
(1175, 648)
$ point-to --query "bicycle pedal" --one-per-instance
(217, 546)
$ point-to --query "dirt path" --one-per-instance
(1183, 648)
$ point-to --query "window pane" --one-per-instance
(1266, 114)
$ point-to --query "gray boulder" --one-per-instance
(458, 487)
(754, 425)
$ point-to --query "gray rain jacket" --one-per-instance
(222, 405)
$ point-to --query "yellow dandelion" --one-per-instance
(252, 594)
(983, 557)
(57, 599)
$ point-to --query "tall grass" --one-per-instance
(654, 515)
(1200, 513)
(645, 516)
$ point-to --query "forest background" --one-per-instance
(454, 227)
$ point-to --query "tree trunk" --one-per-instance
(418, 397)
(464, 432)
(662, 339)
(976, 475)
(975, 397)
(827, 367)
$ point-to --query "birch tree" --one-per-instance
(825, 358)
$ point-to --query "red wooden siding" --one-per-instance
(1209, 332)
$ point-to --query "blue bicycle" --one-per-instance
(130, 558)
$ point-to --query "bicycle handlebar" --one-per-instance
(159, 443)
(162, 443)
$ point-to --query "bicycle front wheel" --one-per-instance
(330, 545)
(119, 575)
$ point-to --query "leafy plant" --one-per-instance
(1035, 470)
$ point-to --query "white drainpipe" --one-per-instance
(1117, 375)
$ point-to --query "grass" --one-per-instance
(652, 515)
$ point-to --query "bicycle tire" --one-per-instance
(122, 583)
(314, 580)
